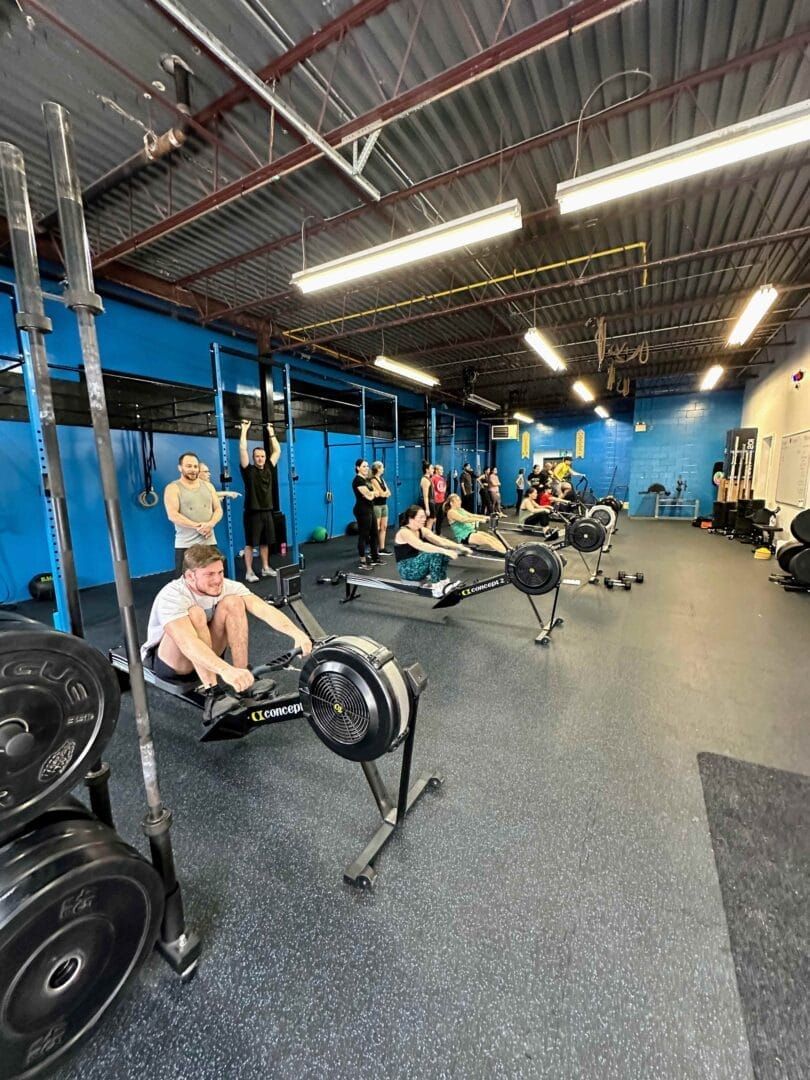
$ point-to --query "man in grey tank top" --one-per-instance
(192, 507)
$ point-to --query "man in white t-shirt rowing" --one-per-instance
(196, 617)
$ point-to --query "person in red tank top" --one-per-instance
(439, 484)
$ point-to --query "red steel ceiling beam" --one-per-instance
(308, 47)
(729, 248)
(72, 34)
(142, 281)
(687, 83)
(559, 24)
(351, 182)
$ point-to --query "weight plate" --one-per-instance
(786, 553)
(59, 702)
(354, 694)
(534, 568)
(800, 566)
(79, 912)
(586, 534)
(800, 527)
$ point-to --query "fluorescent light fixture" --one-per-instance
(752, 314)
(727, 146)
(601, 411)
(523, 418)
(581, 390)
(405, 371)
(544, 349)
(483, 402)
(461, 232)
(711, 378)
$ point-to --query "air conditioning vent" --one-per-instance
(500, 432)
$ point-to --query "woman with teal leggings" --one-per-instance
(415, 551)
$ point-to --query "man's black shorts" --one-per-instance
(259, 528)
(166, 673)
(163, 671)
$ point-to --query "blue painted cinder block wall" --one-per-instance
(137, 341)
(685, 436)
(607, 450)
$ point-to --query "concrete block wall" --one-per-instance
(685, 435)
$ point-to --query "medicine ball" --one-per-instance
(41, 587)
(319, 534)
(351, 529)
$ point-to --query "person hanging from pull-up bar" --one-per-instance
(258, 478)
(196, 618)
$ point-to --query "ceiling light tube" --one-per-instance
(602, 412)
(581, 390)
(523, 418)
(752, 314)
(711, 378)
(461, 232)
(405, 371)
(726, 146)
(544, 349)
(484, 403)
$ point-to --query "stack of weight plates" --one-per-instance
(79, 909)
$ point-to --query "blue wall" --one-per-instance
(607, 450)
(685, 436)
(137, 341)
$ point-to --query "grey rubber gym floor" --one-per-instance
(552, 911)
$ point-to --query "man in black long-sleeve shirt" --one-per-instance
(258, 479)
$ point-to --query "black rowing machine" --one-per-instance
(357, 697)
(534, 569)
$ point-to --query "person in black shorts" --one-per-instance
(258, 478)
(364, 515)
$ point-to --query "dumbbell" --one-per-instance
(617, 583)
(638, 577)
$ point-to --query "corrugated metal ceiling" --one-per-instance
(91, 67)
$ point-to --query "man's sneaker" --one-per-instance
(268, 572)
(251, 577)
(438, 587)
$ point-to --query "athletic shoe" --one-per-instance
(385, 551)
(376, 562)
(438, 587)
(268, 572)
(251, 577)
(363, 565)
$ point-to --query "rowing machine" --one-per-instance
(584, 534)
(534, 569)
(359, 700)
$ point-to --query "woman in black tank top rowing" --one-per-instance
(415, 551)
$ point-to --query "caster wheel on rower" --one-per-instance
(435, 781)
(546, 641)
(367, 879)
(559, 622)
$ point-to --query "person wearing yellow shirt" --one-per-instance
(561, 477)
